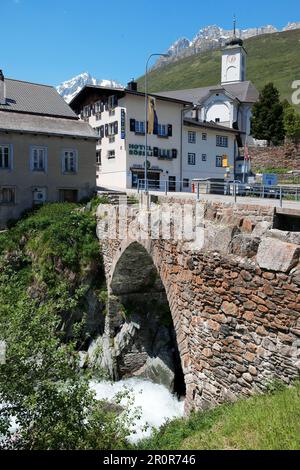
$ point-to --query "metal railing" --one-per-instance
(232, 189)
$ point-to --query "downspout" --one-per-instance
(188, 108)
(181, 150)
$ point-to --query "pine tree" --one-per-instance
(291, 122)
(267, 116)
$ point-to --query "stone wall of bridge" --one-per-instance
(235, 303)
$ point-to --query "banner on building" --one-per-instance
(123, 124)
(152, 116)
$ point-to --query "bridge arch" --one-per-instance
(144, 317)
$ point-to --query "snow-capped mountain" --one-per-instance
(214, 37)
(70, 88)
(178, 46)
(291, 26)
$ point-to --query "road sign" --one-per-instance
(269, 179)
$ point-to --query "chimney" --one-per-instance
(132, 86)
(2, 89)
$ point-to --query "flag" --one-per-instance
(152, 116)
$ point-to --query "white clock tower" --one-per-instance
(233, 62)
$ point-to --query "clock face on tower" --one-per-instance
(231, 59)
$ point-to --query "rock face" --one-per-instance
(275, 255)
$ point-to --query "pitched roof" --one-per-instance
(100, 90)
(243, 91)
(25, 123)
(210, 125)
(32, 98)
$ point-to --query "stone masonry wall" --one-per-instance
(235, 306)
(285, 156)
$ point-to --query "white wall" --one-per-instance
(113, 171)
(233, 65)
(208, 168)
(167, 113)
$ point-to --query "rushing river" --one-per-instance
(156, 403)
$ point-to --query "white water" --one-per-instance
(156, 403)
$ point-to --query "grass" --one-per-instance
(272, 57)
(262, 422)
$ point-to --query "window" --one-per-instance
(217, 120)
(140, 127)
(162, 130)
(38, 158)
(191, 159)
(7, 195)
(112, 102)
(204, 157)
(186, 183)
(69, 161)
(98, 107)
(204, 136)
(111, 154)
(221, 141)
(5, 157)
(87, 111)
(192, 137)
(68, 195)
(219, 161)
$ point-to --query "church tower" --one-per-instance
(233, 60)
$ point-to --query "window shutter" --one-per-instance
(106, 130)
(101, 107)
(174, 153)
(101, 132)
(106, 106)
(116, 127)
(132, 125)
(115, 101)
(170, 130)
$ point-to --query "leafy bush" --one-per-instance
(48, 262)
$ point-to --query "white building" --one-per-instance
(199, 130)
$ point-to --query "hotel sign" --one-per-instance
(139, 150)
(123, 124)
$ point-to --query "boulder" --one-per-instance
(218, 237)
(261, 228)
(157, 370)
(276, 255)
(244, 245)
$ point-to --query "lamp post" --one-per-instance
(146, 116)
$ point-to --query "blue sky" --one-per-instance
(50, 41)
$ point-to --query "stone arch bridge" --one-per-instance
(234, 306)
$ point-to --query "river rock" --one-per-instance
(156, 370)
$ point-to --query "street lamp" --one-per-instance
(146, 116)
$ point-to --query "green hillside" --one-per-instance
(272, 57)
(263, 422)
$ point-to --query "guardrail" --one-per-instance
(232, 189)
